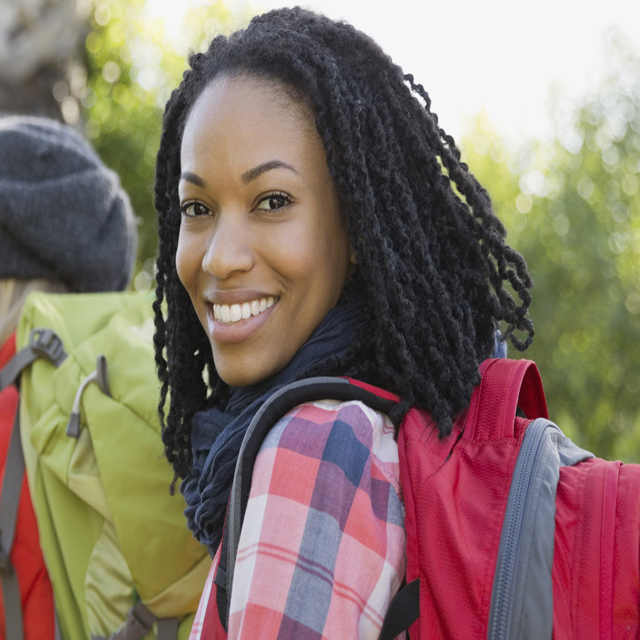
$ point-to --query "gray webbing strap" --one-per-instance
(9, 499)
(14, 367)
(167, 629)
(42, 343)
(58, 635)
(139, 623)
(522, 595)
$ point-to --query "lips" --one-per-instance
(235, 322)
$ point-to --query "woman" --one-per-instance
(314, 219)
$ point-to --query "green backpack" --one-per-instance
(116, 544)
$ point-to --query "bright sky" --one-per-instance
(500, 55)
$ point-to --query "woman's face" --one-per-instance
(263, 251)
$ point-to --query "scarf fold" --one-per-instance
(217, 433)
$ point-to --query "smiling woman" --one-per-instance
(314, 220)
(263, 249)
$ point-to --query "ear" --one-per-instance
(353, 258)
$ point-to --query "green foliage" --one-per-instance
(132, 69)
(572, 208)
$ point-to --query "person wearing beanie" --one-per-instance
(63, 215)
(66, 225)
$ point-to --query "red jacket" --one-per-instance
(26, 557)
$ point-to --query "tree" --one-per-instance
(40, 58)
(572, 208)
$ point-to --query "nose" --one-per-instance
(230, 249)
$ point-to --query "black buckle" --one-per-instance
(47, 343)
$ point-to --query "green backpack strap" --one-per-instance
(138, 625)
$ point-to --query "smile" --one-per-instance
(232, 313)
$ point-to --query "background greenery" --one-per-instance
(131, 71)
(572, 207)
(571, 204)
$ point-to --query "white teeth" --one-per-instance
(232, 313)
(236, 312)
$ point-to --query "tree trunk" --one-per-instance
(41, 42)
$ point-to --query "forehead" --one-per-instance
(245, 107)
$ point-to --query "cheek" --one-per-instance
(318, 259)
(299, 252)
(187, 261)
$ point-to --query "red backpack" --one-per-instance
(512, 530)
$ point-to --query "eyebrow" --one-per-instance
(256, 172)
(193, 178)
(247, 176)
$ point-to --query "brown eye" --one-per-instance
(194, 209)
(274, 201)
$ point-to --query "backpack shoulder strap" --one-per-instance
(140, 622)
(9, 502)
(522, 598)
(43, 343)
(281, 402)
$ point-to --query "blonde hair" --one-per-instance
(13, 293)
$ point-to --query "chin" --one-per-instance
(244, 368)
(242, 378)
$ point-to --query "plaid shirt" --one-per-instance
(322, 548)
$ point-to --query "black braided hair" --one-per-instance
(432, 260)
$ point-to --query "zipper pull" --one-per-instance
(100, 377)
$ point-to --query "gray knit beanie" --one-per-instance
(63, 215)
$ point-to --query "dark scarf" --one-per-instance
(216, 434)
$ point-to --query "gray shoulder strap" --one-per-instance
(522, 598)
(9, 500)
(167, 629)
(274, 408)
(43, 343)
(139, 623)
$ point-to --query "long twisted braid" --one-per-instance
(432, 260)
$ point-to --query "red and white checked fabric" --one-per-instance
(322, 548)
